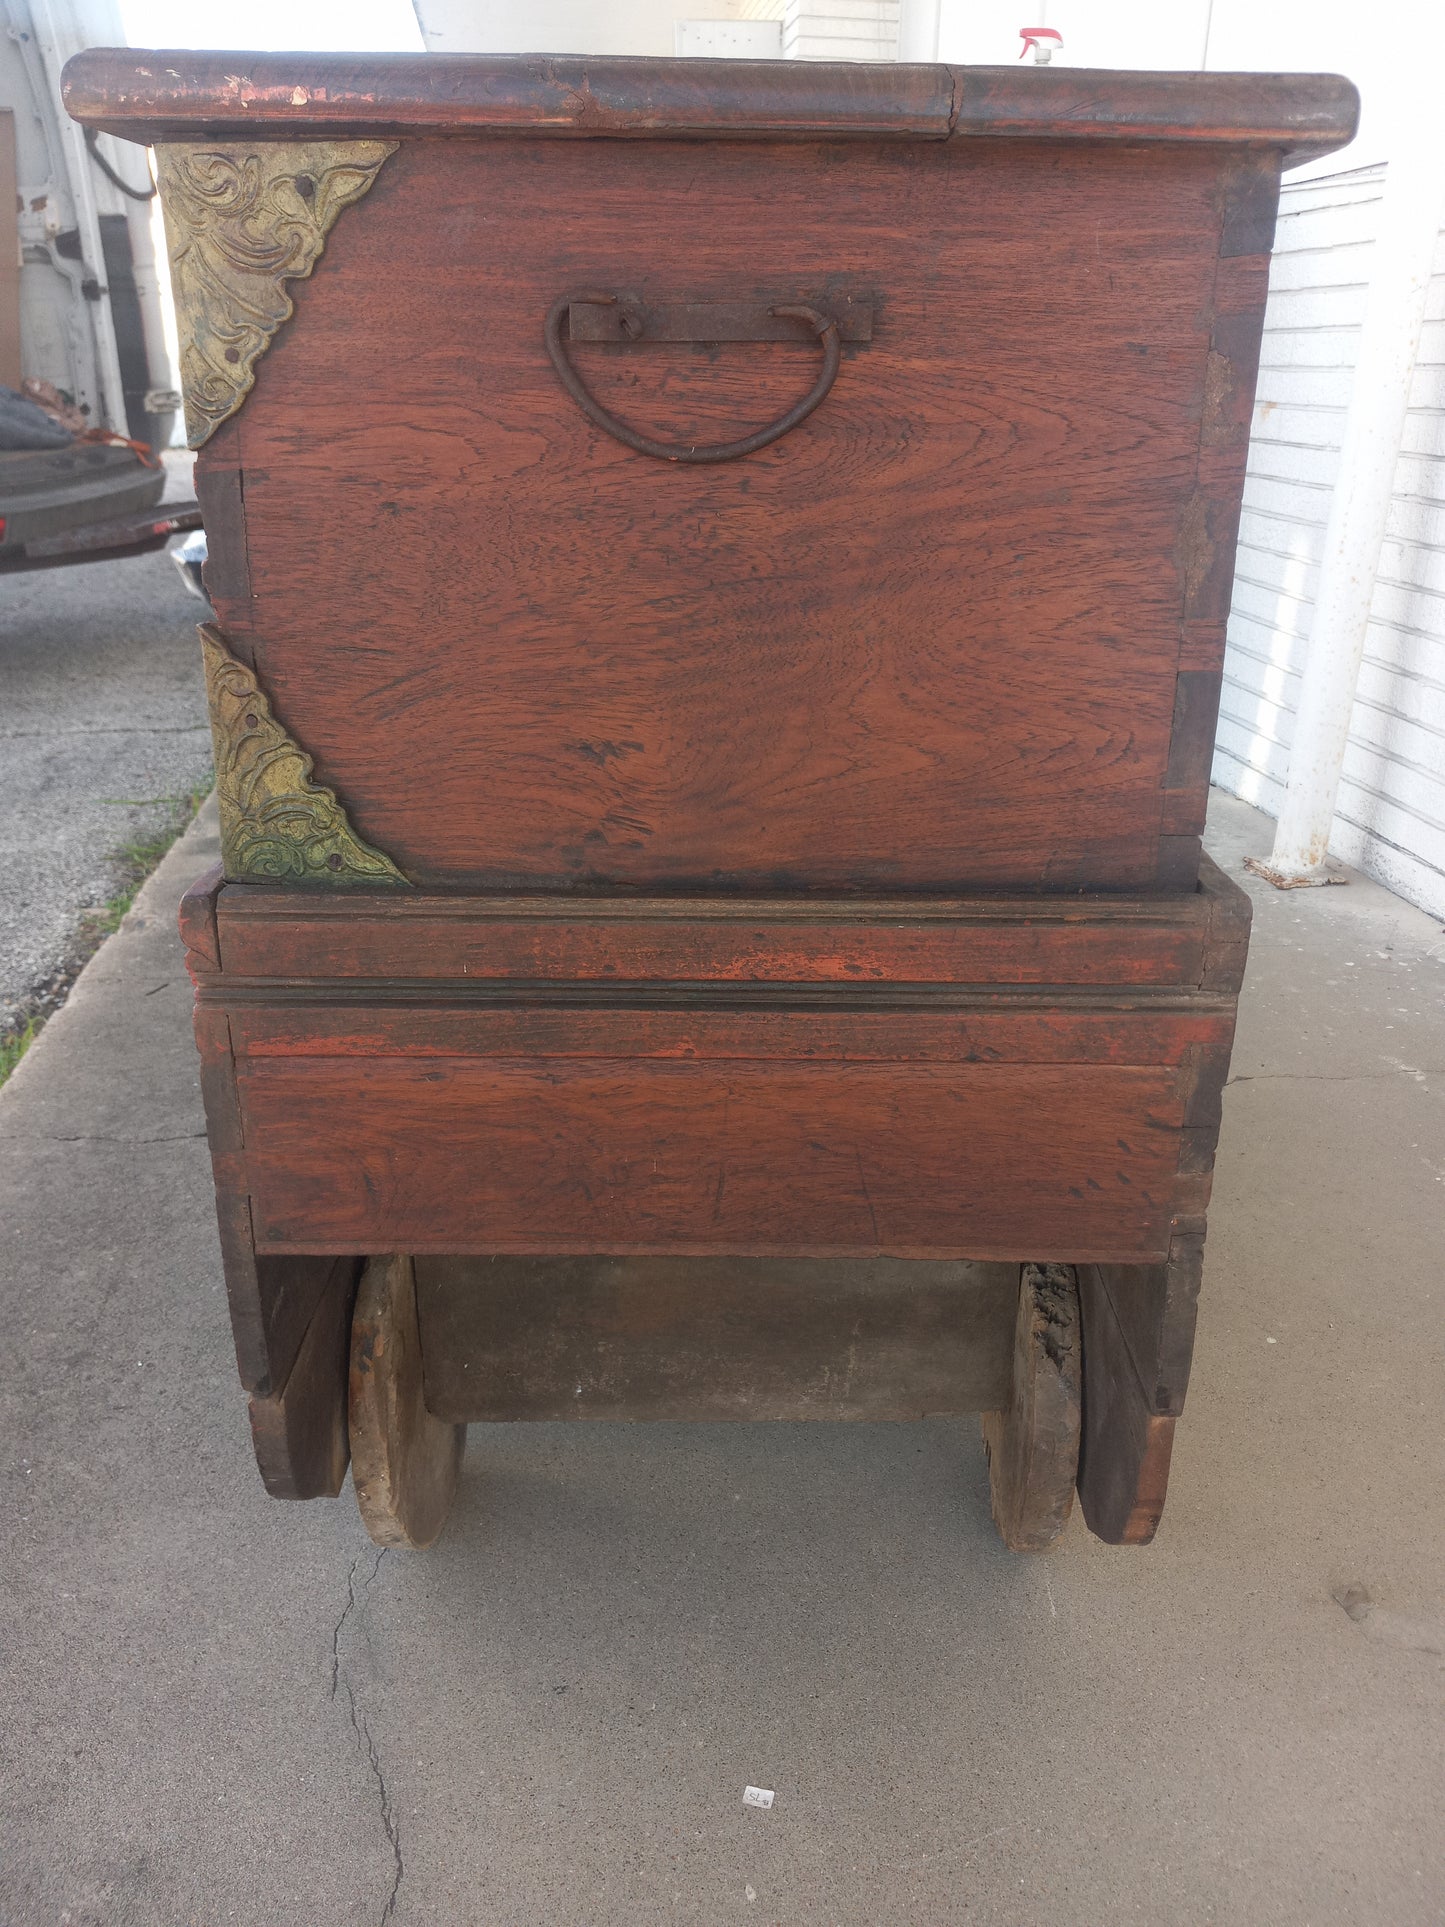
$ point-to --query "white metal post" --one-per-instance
(918, 29)
(1410, 217)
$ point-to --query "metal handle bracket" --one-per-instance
(609, 317)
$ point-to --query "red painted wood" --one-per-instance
(854, 1160)
(420, 936)
(369, 1028)
(890, 652)
(178, 96)
(805, 847)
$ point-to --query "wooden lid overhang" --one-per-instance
(154, 97)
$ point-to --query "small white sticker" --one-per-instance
(758, 1796)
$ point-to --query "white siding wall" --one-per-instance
(1391, 814)
(840, 30)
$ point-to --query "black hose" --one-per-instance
(92, 142)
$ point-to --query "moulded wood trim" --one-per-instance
(502, 951)
(1118, 947)
(1183, 1034)
(275, 904)
(152, 95)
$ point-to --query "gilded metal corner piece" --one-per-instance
(276, 824)
(239, 222)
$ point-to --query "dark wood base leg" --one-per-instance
(1033, 1444)
(1127, 1441)
(300, 1432)
(404, 1462)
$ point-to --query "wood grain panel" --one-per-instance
(862, 1160)
(713, 1338)
(1032, 1034)
(902, 648)
(438, 939)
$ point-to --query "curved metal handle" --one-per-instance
(823, 326)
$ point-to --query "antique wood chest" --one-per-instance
(719, 575)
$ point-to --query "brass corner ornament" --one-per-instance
(277, 826)
(239, 222)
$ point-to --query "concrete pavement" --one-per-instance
(221, 1708)
(102, 722)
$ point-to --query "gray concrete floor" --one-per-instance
(102, 725)
(221, 1708)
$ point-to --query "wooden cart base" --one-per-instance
(733, 1160)
(434, 1345)
(539, 1341)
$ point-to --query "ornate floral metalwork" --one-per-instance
(240, 222)
(276, 824)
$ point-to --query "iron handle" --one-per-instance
(823, 326)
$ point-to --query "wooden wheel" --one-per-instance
(404, 1462)
(1033, 1445)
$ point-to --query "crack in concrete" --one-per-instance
(362, 1731)
(117, 729)
(1325, 1077)
(93, 1137)
(345, 1615)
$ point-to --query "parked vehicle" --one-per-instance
(87, 401)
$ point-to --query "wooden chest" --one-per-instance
(719, 575)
